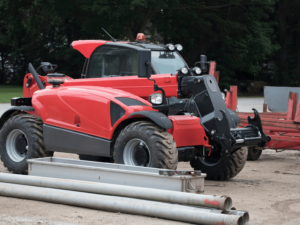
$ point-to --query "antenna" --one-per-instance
(114, 40)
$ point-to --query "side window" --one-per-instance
(130, 66)
(110, 61)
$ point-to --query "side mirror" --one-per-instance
(203, 63)
(144, 63)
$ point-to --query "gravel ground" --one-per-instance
(267, 188)
(4, 107)
(246, 104)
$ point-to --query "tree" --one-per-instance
(288, 36)
(236, 34)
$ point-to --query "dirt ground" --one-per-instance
(267, 188)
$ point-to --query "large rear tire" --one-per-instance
(143, 143)
(224, 169)
(21, 138)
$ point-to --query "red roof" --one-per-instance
(87, 47)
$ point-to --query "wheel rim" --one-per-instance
(16, 145)
(211, 160)
(136, 153)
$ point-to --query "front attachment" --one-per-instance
(219, 122)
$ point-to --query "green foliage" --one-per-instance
(241, 35)
(236, 34)
(287, 59)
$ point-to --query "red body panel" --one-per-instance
(28, 92)
(89, 106)
(87, 47)
(88, 101)
(141, 87)
(187, 131)
(64, 107)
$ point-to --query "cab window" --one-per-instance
(110, 61)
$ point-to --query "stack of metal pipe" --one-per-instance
(180, 206)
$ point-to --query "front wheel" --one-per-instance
(221, 169)
(143, 143)
(21, 138)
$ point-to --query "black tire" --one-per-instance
(159, 145)
(23, 132)
(224, 169)
(253, 154)
(94, 158)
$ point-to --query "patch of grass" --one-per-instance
(7, 92)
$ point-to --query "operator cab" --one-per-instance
(111, 59)
(106, 59)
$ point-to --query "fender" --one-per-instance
(157, 117)
(10, 111)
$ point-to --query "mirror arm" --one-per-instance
(156, 88)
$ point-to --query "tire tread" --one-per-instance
(230, 166)
(167, 154)
(34, 126)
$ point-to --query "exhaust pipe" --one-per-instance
(117, 204)
(217, 202)
(35, 76)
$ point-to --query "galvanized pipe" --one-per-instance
(117, 204)
(218, 202)
(243, 213)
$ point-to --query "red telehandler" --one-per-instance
(122, 111)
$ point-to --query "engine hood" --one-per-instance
(103, 92)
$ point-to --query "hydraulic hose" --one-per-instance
(35, 76)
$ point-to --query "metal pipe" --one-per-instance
(35, 76)
(240, 141)
(243, 213)
(218, 202)
(117, 204)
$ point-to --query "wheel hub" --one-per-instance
(16, 145)
(141, 155)
(21, 144)
(136, 153)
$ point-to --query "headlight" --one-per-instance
(197, 70)
(178, 47)
(223, 96)
(184, 70)
(156, 98)
(171, 47)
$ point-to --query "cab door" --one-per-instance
(112, 61)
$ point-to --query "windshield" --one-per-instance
(167, 62)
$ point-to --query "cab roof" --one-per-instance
(87, 47)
